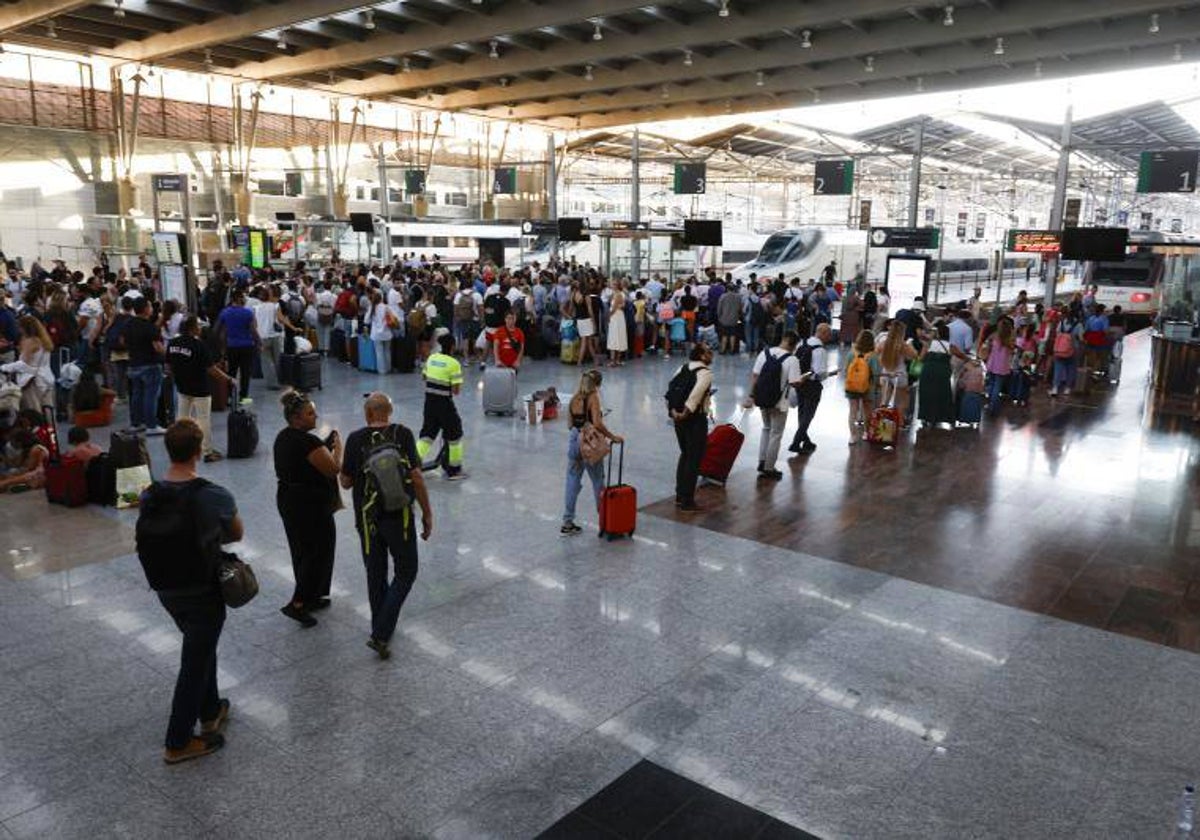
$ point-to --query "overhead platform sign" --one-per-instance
(920, 239)
(414, 181)
(504, 181)
(691, 178)
(834, 177)
(1034, 241)
(1167, 172)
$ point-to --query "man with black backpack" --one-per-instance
(182, 522)
(775, 371)
(382, 467)
(814, 366)
(687, 405)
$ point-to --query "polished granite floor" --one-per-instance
(531, 671)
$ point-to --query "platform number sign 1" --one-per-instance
(1167, 172)
(834, 177)
(414, 181)
(504, 180)
(691, 178)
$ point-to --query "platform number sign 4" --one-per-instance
(834, 177)
(504, 181)
(1167, 172)
(691, 178)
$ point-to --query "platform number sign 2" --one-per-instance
(504, 181)
(834, 177)
(1167, 172)
(691, 178)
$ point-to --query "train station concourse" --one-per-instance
(505, 419)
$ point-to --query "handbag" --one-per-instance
(238, 582)
(914, 369)
(593, 445)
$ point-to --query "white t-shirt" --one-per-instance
(790, 374)
(264, 317)
(91, 309)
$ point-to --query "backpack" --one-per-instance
(173, 548)
(870, 304)
(858, 374)
(385, 471)
(293, 307)
(495, 307)
(768, 387)
(464, 307)
(417, 320)
(758, 313)
(680, 388)
(1064, 344)
(804, 355)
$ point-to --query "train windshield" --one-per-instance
(1136, 270)
(785, 247)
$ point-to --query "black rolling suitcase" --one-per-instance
(404, 354)
(127, 448)
(101, 481)
(242, 433)
(337, 343)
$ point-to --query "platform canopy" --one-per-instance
(598, 63)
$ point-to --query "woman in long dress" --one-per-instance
(618, 334)
(936, 398)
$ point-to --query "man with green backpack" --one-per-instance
(381, 465)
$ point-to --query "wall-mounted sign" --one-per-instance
(169, 248)
(1167, 172)
(834, 177)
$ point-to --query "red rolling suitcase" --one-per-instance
(618, 503)
(66, 482)
(724, 444)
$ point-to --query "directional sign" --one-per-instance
(1034, 241)
(504, 180)
(1167, 172)
(690, 178)
(834, 177)
(539, 227)
(168, 183)
(922, 238)
(414, 181)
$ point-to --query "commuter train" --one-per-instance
(803, 253)
(1138, 284)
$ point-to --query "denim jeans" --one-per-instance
(145, 382)
(199, 616)
(576, 466)
(397, 536)
(1064, 375)
(997, 382)
(752, 336)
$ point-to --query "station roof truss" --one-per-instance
(592, 64)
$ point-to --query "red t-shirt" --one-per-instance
(508, 344)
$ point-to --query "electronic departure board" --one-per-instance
(1034, 241)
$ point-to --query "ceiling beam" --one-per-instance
(802, 97)
(1068, 40)
(232, 28)
(461, 27)
(829, 46)
(769, 17)
(22, 14)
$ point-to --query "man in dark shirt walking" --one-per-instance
(191, 366)
(145, 345)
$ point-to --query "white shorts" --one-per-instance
(586, 327)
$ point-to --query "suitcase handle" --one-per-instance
(620, 465)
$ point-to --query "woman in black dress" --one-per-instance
(307, 496)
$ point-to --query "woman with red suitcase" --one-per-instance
(587, 421)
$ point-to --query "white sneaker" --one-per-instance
(156, 430)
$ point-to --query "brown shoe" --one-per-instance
(195, 748)
(217, 724)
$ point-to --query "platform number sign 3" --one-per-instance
(833, 177)
(504, 181)
(691, 178)
(1167, 172)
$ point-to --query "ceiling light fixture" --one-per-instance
(369, 19)
(494, 48)
(406, 65)
(948, 16)
(816, 96)
(724, 10)
(869, 64)
(597, 34)
(587, 72)
(270, 90)
(759, 79)
(281, 44)
(1153, 24)
(150, 72)
(208, 59)
(687, 58)
(51, 31)
(806, 39)
(920, 84)
(118, 12)
(666, 92)
(999, 50)
(1037, 69)
(504, 81)
(1178, 56)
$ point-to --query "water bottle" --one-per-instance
(1187, 813)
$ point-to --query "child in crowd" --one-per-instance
(81, 446)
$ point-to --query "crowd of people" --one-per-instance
(168, 364)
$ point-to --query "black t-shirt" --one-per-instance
(189, 360)
(688, 303)
(296, 475)
(356, 449)
(140, 335)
